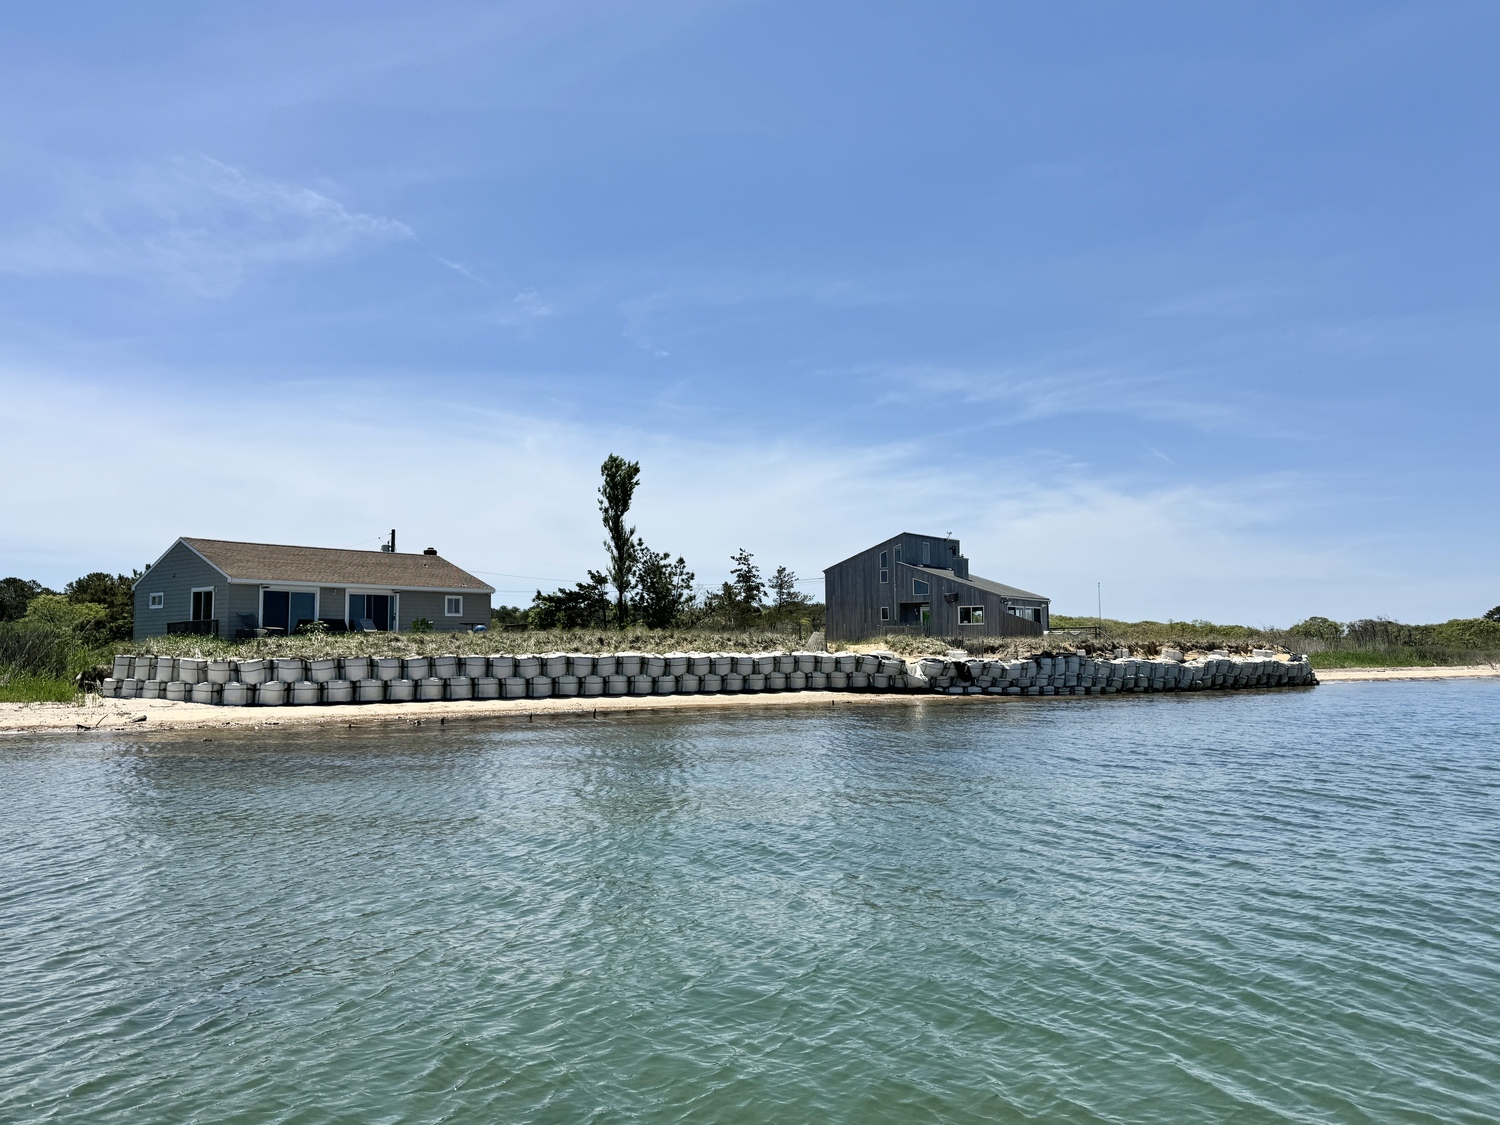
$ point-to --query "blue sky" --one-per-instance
(1194, 301)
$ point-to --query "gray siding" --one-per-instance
(180, 571)
(241, 600)
(855, 595)
(429, 604)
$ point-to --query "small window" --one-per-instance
(971, 615)
(898, 552)
(885, 576)
(920, 587)
(926, 553)
(885, 559)
(453, 607)
(158, 601)
(885, 613)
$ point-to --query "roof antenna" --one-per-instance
(390, 548)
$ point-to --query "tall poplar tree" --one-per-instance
(615, 494)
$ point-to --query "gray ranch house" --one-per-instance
(240, 590)
(921, 584)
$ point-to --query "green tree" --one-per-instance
(586, 604)
(1317, 629)
(16, 595)
(508, 615)
(737, 602)
(744, 577)
(57, 611)
(783, 585)
(116, 593)
(1492, 615)
(615, 495)
(664, 588)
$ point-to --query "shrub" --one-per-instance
(1317, 629)
(421, 625)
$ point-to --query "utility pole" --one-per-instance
(1098, 593)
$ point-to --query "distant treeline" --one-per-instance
(1371, 641)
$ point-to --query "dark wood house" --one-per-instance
(921, 584)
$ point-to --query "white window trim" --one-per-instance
(449, 599)
(971, 609)
(157, 600)
(885, 613)
(214, 590)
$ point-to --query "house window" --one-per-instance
(158, 601)
(885, 613)
(885, 562)
(203, 605)
(920, 587)
(453, 607)
(898, 552)
(971, 615)
(926, 553)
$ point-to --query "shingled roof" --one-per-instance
(982, 584)
(333, 566)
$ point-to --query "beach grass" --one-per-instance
(1399, 658)
(23, 688)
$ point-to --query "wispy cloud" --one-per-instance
(1062, 385)
(524, 310)
(198, 223)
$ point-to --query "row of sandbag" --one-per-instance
(293, 680)
(1076, 674)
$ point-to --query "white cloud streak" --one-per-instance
(198, 224)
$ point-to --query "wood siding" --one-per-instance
(855, 595)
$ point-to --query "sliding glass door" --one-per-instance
(372, 612)
(287, 610)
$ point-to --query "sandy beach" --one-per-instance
(1456, 672)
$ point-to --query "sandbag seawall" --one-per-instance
(293, 681)
(1076, 674)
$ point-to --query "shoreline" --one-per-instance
(141, 715)
(1434, 672)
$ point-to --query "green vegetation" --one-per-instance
(654, 590)
(636, 638)
(1371, 643)
(20, 688)
(51, 644)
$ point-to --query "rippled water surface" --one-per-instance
(1267, 907)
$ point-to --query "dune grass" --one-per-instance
(1398, 658)
(22, 688)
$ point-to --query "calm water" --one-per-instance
(1259, 908)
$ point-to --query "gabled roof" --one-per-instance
(981, 583)
(332, 566)
(892, 539)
